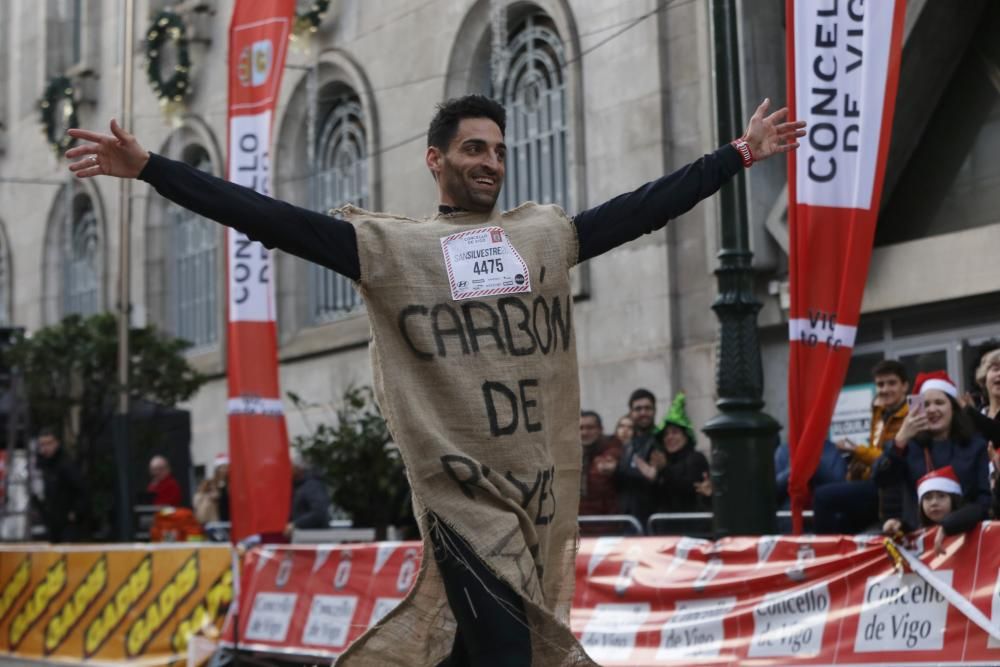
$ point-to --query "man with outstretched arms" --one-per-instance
(474, 364)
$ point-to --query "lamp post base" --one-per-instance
(743, 443)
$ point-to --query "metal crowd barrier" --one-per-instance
(142, 516)
(596, 525)
(785, 521)
(339, 531)
(690, 524)
(333, 535)
(217, 531)
(699, 524)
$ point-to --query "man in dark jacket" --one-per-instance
(310, 500)
(65, 503)
(636, 472)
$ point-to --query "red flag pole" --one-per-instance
(260, 471)
(846, 94)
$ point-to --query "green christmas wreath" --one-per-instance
(309, 20)
(168, 29)
(59, 97)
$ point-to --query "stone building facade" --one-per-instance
(603, 97)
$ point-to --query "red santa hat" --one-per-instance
(935, 380)
(220, 460)
(942, 479)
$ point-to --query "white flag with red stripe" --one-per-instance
(843, 71)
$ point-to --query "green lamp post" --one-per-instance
(743, 437)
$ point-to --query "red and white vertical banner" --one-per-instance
(260, 474)
(843, 71)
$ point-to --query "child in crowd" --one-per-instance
(940, 498)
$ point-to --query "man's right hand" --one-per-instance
(115, 154)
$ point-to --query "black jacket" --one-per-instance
(636, 494)
(989, 427)
(65, 507)
(310, 503)
(967, 457)
(676, 482)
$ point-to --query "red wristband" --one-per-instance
(743, 148)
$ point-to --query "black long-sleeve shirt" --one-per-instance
(332, 242)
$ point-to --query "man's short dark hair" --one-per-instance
(47, 432)
(891, 367)
(591, 413)
(640, 394)
(444, 125)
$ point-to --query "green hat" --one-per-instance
(678, 416)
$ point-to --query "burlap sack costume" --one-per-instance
(482, 397)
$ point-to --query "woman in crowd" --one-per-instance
(936, 433)
(682, 483)
(940, 496)
(624, 430)
(987, 418)
(211, 500)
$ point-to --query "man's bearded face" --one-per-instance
(471, 171)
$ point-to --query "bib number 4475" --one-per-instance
(488, 266)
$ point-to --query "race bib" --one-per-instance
(483, 262)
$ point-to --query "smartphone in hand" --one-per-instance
(915, 402)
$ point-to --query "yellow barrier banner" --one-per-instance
(133, 603)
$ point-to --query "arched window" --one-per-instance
(534, 94)
(192, 267)
(341, 177)
(82, 257)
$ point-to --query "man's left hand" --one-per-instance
(771, 134)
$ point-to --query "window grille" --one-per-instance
(534, 94)
(82, 257)
(193, 273)
(341, 177)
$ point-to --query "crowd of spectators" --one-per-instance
(929, 459)
(62, 505)
(644, 467)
